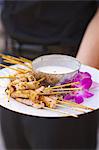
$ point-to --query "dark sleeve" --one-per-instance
(97, 2)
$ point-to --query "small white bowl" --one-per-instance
(44, 65)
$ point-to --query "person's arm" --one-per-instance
(89, 49)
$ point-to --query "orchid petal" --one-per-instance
(87, 94)
(68, 97)
(81, 75)
(86, 75)
(86, 83)
(79, 99)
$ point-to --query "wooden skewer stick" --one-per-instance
(8, 58)
(21, 59)
(72, 104)
(40, 80)
(11, 68)
(11, 57)
(77, 109)
(17, 63)
(12, 61)
(67, 89)
(60, 92)
(8, 94)
(7, 61)
(53, 93)
(7, 77)
(63, 85)
(25, 60)
(24, 70)
(63, 112)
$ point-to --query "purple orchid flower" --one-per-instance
(78, 96)
(85, 83)
(84, 78)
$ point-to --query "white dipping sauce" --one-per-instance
(55, 69)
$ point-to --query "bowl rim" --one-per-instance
(61, 55)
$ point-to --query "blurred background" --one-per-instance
(1, 48)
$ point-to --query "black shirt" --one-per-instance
(48, 22)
